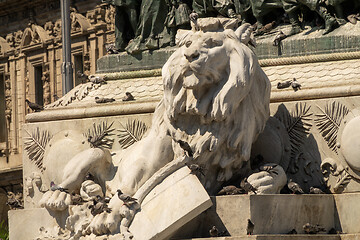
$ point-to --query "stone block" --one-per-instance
(271, 214)
(347, 210)
(170, 205)
(25, 224)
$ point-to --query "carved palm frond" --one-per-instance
(35, 145)
(328, 122)
(100, 135)
(132, 132)
(297, 124)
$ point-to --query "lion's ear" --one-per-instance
(245, 34)
(181, 36)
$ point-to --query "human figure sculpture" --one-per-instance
(126, 19)
(151, 32)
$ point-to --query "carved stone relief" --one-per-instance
(46, 84)
(339, 128)
(110, 17)
(97, 15)
(8, 105)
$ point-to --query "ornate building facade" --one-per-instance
(30, 64)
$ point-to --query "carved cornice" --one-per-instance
(4, 47)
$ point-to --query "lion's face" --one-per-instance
(204, 56)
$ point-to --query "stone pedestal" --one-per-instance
(276, 215)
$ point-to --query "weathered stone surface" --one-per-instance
(25, 224)
(159, 218)
(271, 214)
(348, 211)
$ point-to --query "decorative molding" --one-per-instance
(4, 47)
(79, 23)
(34, 35)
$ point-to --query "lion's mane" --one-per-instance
(221, 108)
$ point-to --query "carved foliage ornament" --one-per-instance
(298, 125)
(100, 135)
(35, 145)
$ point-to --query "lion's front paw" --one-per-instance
(104, 223)
(270, 180)
(55, 200)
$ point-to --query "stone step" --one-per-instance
(276, 214)
(289, 237)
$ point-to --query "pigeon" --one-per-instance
(230, 190)
(34, 106)
(247, 186)
(128, 97)
(278, 38)
(186, 147)
(282, 85)
(334, 231)
(54, 187)
(99, 205)
(76, 199)
(104, 100)
(193, 18)
(97, 79)
(110, 49)
(314, 190)
(214, 232)
(83, 77)
(293, 231)
(295, 188)
(195, 168)
(295, 85)
(313, 229)
(126, 198)
(250, 227)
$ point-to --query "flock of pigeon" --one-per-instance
(85, 78)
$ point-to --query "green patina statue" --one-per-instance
(152, 24)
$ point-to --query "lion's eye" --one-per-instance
(188, 43)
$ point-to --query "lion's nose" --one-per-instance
(191, 55)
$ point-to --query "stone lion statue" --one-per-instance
(216, 102)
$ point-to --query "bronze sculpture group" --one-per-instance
(152, 24)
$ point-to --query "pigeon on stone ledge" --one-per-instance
(295, 188)
(314, 190)
(128, 97)
(104, 100)
(214, 232)
(195, 168)
(244, 184)
(313, 229)
(230, 190)
(126, 198)
(250, 227)
(186, 147)
(34, 106)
